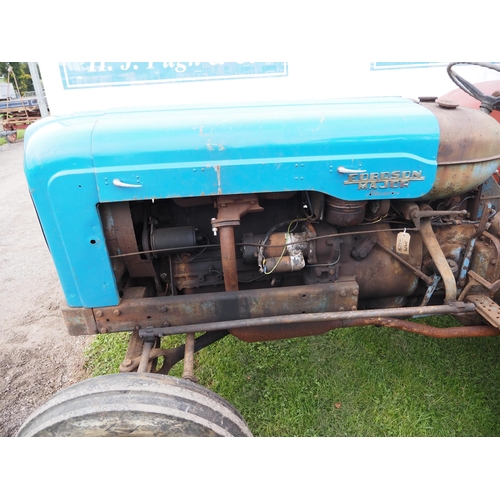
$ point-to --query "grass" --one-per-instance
(367, 381)
(20, 135)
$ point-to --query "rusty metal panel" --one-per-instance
(469, 150)
(227, 306)
(379, 272)
(79, 320)
(292, 319)
(285, 331)
(275, 332)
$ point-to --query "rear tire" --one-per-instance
(133, 404)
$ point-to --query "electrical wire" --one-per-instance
(212, 270)
(263, 245)
(197, 255)
(260, 258)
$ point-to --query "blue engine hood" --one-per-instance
(350, 149)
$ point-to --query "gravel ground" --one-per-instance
(37, 355)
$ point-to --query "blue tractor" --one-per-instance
(263, 222)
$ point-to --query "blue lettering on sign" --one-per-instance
(78, 75)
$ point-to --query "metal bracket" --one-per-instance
(362, 250)
(475, 280)
(487, 308)
(232, 208)
(149, 334)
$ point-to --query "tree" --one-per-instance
(22, 73)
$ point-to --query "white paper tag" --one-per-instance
(403, 243)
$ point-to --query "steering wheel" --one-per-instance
(489, 103)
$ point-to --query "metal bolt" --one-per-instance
(331, 271)
(98, 314)
(166, 323)
(355, 293)
(116, 312)
(103, 330)
(163, 309)
(342, 293)
(353, 308)
(318, 273)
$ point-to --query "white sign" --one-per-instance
(96, 86)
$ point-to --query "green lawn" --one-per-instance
(367, 381)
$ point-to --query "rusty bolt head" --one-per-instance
(98, 314)
(116, 312)
(493, 262)
(166, 323)
(342, 293)
(331, 271)
(354, 308)
(318, 273)
(163, 309)
(103, 330)
(355, 293)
